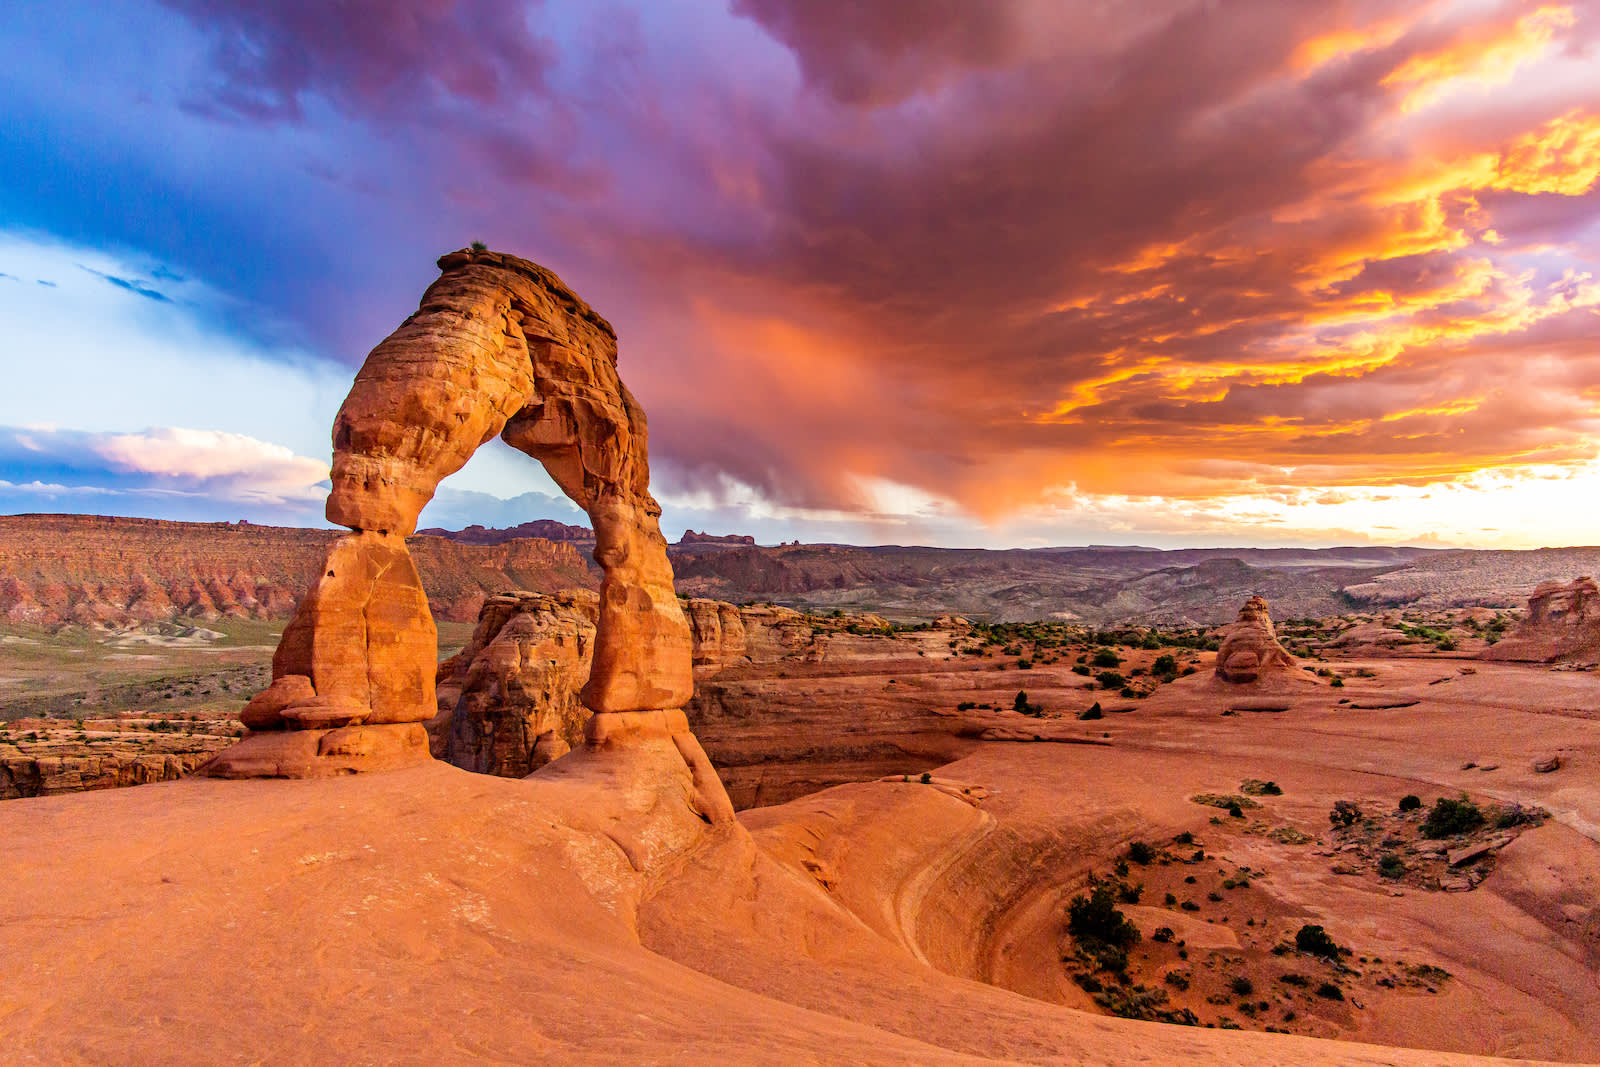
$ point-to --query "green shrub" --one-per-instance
(1163, 935)
(927, 778)
(1410, 802)
(1140, 852)
(1344, 813)
(1314, 940)
(1110, 680)
(1450, 817)
(1107, 658)
(1177, 980)
(1241, 986)
(1330, 991)
(1081, 670)
(1391, 866)
(1166, 664)
(1095, 918)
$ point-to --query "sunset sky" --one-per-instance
(1010, 273)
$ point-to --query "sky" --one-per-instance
(1013, 273)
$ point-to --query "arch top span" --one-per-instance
(498, 345)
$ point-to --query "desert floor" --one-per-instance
(432, 914)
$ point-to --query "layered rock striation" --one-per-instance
(110, 571)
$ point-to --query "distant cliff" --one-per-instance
(691, 537)
(93, 569)
(548, 529)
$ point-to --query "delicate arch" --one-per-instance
(498, 345)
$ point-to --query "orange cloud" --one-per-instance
(1480, 58)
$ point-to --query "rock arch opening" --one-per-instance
(498, 346)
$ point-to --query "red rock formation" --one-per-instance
(690, 537)
(1250, 651)
(498, 345)
(508, 702)
(548, 529)
(113, 571)
(1563, 623)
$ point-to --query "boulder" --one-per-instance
(1250, 651)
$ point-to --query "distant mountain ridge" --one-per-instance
(114, 571)
(107, 570)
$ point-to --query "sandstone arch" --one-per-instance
(498, 345)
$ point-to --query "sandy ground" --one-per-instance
(435, 915)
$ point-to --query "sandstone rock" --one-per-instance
(1250, 651)
(1563, 623)
(1546, 765)
(498, 345)
(508, 702)
(265, 709)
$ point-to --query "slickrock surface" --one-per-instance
(97, 570)
(1250, 651)
(1562, 623)
(879, 922)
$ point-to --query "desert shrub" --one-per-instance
(1171, 900)
(1241, 986)
(1130, 894)
(1329, 991)
(1236, 811)
(1024, 664)
(1107, 658)
(1517, 815)
(1094, 712)
(1314, 940)
(927, 778)
(1185, 838)
(1189, 905)
(1344, 813)
(1165, 664)
(1337, 683)
(1096, 918)
(1214, 896)
(1129, 691)
(1140, 852)
(1080, 669)
(1163, 935)
(1177, 980)
(1391, 866)
(1294, 979)
(1450, 817)
(1110, 680)
(1410, 802)
(479, 246)
(1252, 787)
(1136, 1003)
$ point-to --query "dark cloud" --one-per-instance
(988, 250)
(130, 284)
(369, 57)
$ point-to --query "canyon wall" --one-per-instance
(111, 571)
